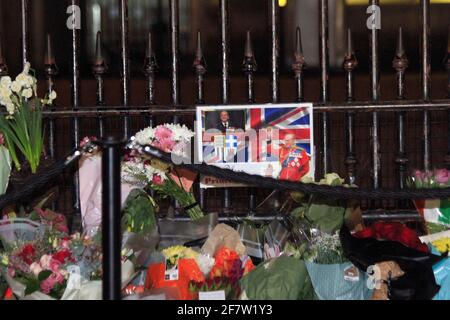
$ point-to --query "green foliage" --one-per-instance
(23, 132)
(5, 169)
(139, 212)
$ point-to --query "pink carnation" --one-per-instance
(165, 144)
(163, 133)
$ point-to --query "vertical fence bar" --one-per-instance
(51, 70)
(375, 96)
(350, 63)
(298, 65)
(324, 93)
(199, 66)
(125, 63)
(150, 70)
(75, 102)
(249, 67)
(400, 63)
(447, 66)
(225, 87)
(111, 235)
(274, 10)
(174, 52)
(426, 73)
(99, 69)
(24, 19)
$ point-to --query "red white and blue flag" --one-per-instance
(236, 146)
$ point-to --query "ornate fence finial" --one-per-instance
(150, 64)
(99, 67)
(49, 60)
(249, 64)
(299, 63)
(199, 63)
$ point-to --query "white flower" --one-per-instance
(205, 263)
(26, 68)
(10, 108)
(52, 95)
(27, 93)
(22, 79)
(145, 136)
(5, 82)
(15, 86)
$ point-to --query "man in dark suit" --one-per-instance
(224, 121)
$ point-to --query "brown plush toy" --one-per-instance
(382, 272)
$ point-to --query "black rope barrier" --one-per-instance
(335, 192)
(42, 180)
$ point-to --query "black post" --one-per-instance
(111, 236)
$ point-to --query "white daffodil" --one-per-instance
(27, 93)
(16, 87)
(10, 108)
(26, 68)
(30, 81)
(22, 79)
(52, 95)
(5, 82)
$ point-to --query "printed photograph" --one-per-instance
(268, 140)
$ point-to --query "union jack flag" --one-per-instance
(285, 120)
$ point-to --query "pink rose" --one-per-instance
(442, 176)
(35, 268)
(45, 261)
(157, 179)
(54, 265)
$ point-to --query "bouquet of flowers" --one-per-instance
(22, 126)
(161, 177)
(53, 264)
(435, 211)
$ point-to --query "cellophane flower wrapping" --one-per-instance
(434, 211)
(165, 179)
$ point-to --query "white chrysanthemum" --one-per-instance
(27, 93)
(5, 82)
(16, 86)
(180, 132)
(145, 136)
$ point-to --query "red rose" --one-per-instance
(28, 253)
(62, 256)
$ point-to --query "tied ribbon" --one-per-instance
(191, 206)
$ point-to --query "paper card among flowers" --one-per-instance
(272, 140)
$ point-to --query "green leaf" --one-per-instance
(31, 286)
(44, 275)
